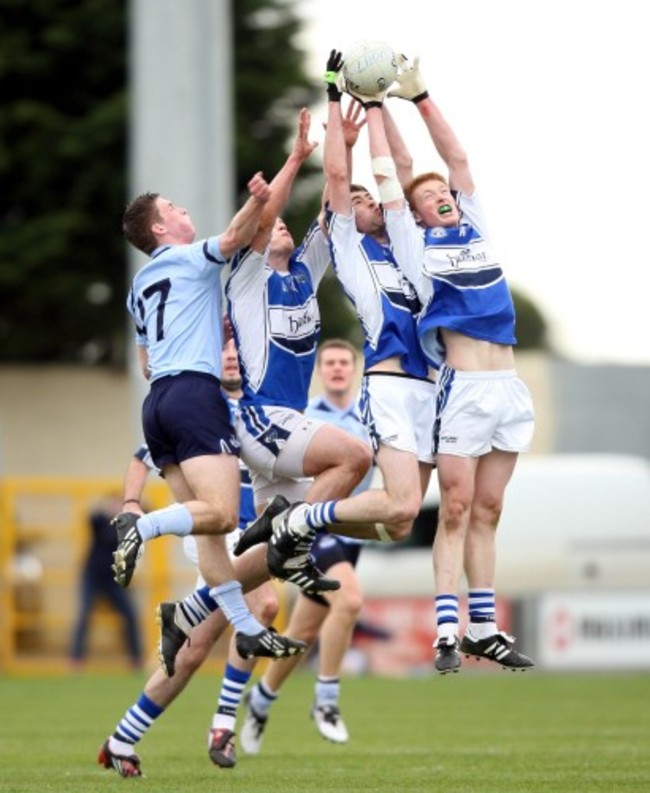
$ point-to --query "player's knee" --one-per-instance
(222, 520)
(350, 605)
(359, 459)
(268, 609)
(454, 513)
(403, 511)
(487, 513)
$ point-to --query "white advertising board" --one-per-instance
(594, 630)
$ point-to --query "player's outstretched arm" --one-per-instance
(398, 149)
(383, 165)
(412, 87)
(280, 187)
(336, 163)
(243, 226)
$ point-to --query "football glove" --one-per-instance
(333, 76)
(410, 83)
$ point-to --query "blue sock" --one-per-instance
(262, 698)
(175, 519)
(230, 598)
(327, 690)
(137, 720)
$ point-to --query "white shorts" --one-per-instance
(481, 411)
(274, 441)
(399, 411)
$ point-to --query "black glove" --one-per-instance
(333, 76)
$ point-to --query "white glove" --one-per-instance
(410, 83)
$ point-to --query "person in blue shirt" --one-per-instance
(97, 582)
(160, 690)
(328, 616)
(176, 303)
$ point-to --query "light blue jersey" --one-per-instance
(459, 281)
(176, 302)
(276, 322)
(386, 303)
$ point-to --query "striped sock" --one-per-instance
(447, 615)
(232, 687)
(321, 514)
(192, 610)
(482, 613)
(135, 722)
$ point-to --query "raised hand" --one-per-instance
(333, 76)
(411, 86)
(302, 146)
(351, 123)
(259, 188)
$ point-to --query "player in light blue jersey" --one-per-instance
(330, 616)
(175, 301)
(484, 412)
(118, 751)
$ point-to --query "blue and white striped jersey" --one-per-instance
(386, 303)
(460, 283)
(176, 302)
(276, 322)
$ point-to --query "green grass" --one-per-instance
(472, 732)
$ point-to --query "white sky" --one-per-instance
(550, 101)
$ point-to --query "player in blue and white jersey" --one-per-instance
(398, 391)
(484, 414)
(175, 300)
(275, 319)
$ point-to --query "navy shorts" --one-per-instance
(328, 550)
(187, 415)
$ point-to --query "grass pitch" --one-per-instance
(474, 732)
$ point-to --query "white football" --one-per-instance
(369, 67)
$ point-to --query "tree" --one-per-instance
(62, 154)
(63, 165)
(63, 134)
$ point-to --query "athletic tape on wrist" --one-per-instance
(389, 188)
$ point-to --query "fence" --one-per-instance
(43, 540)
